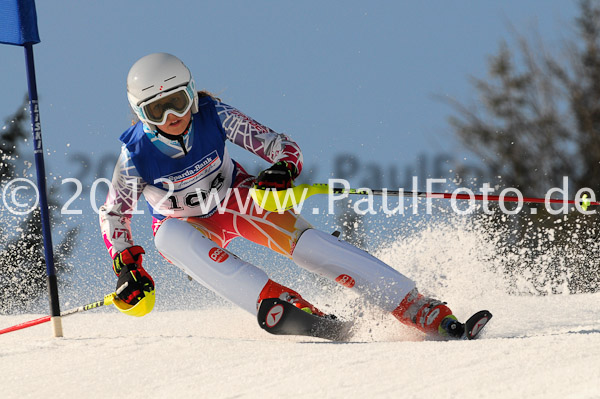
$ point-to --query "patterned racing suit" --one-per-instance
(240, 216)
(178, 179)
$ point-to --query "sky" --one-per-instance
(347, 80)
(350, 77)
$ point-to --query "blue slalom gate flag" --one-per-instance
(18, 22)
(18, 26)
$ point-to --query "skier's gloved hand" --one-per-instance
(133, 284)
(134, 281)
(128, 256)
(279, 176)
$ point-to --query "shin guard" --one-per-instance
(212, 266)
(351, 267)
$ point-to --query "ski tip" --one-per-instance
(476, 323)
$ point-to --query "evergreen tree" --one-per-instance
(537, 120)
(22, 261)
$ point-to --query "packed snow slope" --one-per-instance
(536, 346)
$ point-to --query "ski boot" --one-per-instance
(275, 290)
(436, 320)
(426, 314)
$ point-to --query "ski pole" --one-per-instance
(276, 200)
(108, 300)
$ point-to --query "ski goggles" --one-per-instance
(177, 102)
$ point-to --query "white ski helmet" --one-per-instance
(157, 76)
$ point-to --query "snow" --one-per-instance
(534, 347)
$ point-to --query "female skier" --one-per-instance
(176, 156)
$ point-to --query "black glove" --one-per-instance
(133, 284)
(134, 281)
(279, 176)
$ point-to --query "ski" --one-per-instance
(476, 323)
(280, 317)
